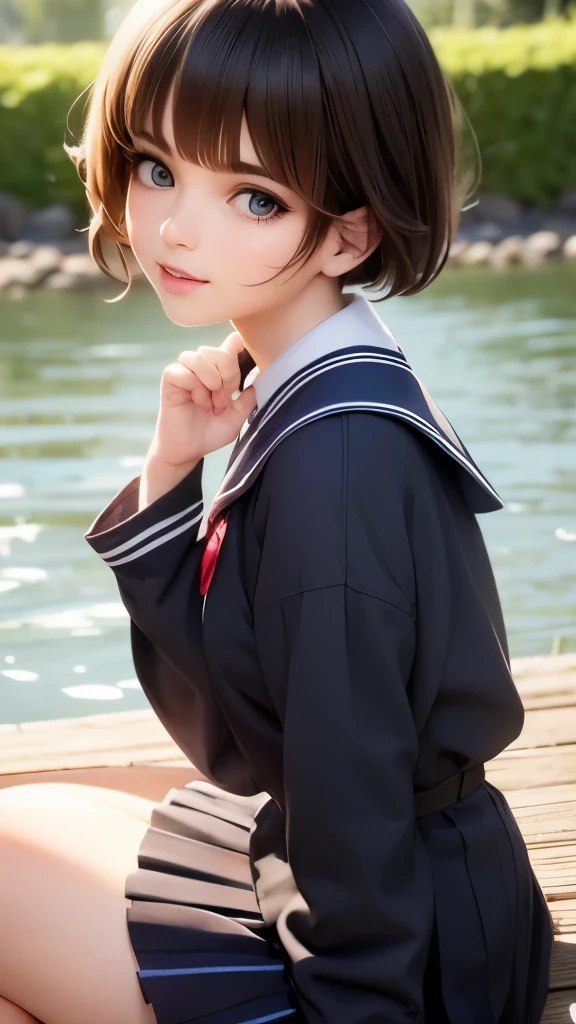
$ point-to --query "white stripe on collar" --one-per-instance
(356, 324)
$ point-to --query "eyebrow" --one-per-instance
(237, 167)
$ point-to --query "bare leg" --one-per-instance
(12, 1014)
(65, 955)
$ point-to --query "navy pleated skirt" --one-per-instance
(206, 956)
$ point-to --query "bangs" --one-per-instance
(218, 63)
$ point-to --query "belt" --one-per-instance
(455, 787)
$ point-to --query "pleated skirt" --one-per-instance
(205, 954)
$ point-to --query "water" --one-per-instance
(79, 389)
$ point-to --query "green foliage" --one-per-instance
(518, 89)
(517, 86)
(38, 86)
(62, 21)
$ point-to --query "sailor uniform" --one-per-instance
(332, 656)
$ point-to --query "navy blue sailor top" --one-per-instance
(350, 650)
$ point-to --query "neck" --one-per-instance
(270, 332)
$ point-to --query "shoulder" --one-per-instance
(334, 503)
(352, 455)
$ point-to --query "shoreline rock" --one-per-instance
(45, 248)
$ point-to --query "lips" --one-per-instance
(177, 272)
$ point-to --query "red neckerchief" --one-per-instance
(211, 552)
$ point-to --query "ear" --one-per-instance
(356, 235)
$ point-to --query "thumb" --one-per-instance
(245, 403)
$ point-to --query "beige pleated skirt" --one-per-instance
(204, 951)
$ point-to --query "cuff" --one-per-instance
(120, 533)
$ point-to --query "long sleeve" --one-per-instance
(360, 928)
(155, 555)
(337, 661)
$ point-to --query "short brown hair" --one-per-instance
(345, 104)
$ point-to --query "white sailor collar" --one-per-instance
(357, 323)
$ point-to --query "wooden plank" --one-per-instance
(565, 924)
(557, 1009)
(563, 699)
(125, 738)
(544, 674)
(544, 766)
(539, 798)
(562, 965)
(547, 727)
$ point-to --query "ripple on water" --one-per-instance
(93, 691)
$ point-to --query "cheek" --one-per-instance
(138, 220)
(266, 245)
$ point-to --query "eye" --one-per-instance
(148, 169)
(257, 205)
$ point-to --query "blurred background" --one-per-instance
(68, 21)
(494, 339)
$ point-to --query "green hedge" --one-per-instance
(38, 87)
(518, 87)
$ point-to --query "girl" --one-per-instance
(330, 652)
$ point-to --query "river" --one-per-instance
(79, 389)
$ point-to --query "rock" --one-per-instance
(561, 223)
(77, 243)
(469, 217)
(80, 263)
(50, 224)
(507, 252)
(476, 254)
(46, 259)
(16, 272)
(458, 247)
(533, 220)
(567, 203)
(12, 217)
(82, 266)
(499, 209)
(62, 281)
(540, 246)
(21, 249)
(487, 231)
(569, 248)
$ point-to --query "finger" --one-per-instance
(229, 369)
(206, 371)
(233, 344)
(180, 384)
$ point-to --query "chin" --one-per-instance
(184, 311)
(190, 318)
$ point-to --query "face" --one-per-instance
(227, 230)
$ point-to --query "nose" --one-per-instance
(181, 229)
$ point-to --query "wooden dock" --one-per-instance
(131, 751)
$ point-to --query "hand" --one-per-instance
(197, 414)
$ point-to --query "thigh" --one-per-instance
(12, 1014)
(65, 954)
